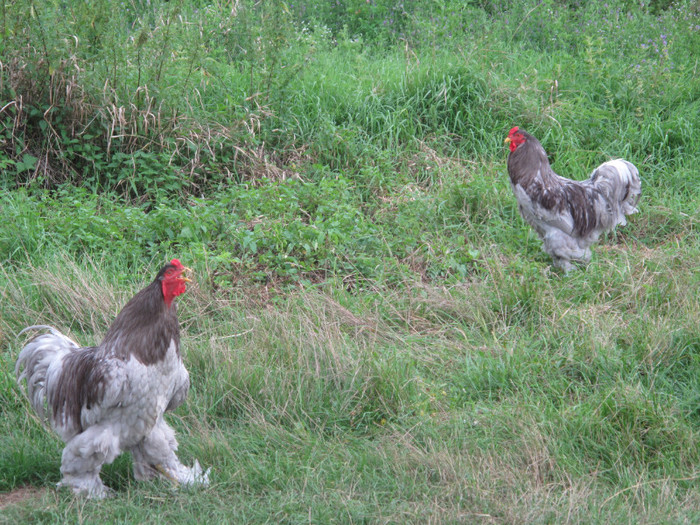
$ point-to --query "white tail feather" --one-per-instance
(36, 358)
(618, 180)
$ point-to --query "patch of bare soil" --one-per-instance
(19, 495)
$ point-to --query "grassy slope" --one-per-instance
(421, 362)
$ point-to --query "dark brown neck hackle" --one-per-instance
(145, 326)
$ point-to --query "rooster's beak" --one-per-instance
(507, 141)
(186, 279)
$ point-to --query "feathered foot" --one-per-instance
(182, 475)
(90, 486)
(155, 455)
(83, 458)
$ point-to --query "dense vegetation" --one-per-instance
(374, 335)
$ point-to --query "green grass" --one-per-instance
(537, 399)
(374, 334)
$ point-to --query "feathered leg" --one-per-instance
(83, 458)
(565, 250)
(155, 455)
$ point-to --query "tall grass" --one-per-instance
(165, 97)
(502, 396)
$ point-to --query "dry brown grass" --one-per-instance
(66, 294)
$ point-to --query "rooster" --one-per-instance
(569, 215)
(111, 398)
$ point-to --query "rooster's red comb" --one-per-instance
(513, 130)
(176, 263)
